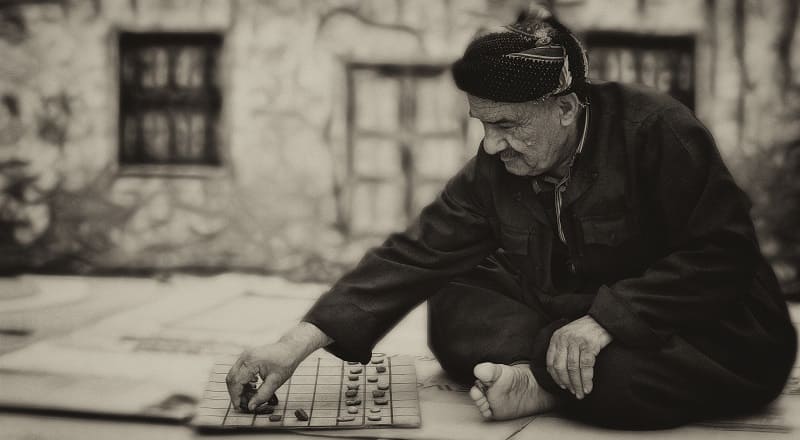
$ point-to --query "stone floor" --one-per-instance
(125, 358)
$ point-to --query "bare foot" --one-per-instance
(511, 391)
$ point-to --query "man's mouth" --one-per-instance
(507, 155)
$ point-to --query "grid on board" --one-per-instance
(319, 387)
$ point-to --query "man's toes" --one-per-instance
(476, 394)
(487, 372)
(486, 413)
(484, 406)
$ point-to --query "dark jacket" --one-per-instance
(659, 237)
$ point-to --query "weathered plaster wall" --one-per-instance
(273, 204)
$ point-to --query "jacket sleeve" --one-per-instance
(706, 229)
(450, 236)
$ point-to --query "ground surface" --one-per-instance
(134, 348)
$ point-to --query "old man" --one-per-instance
(595, 256)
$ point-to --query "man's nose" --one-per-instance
(492, 143)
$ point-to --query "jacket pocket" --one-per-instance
(514, 240)
(611, 230)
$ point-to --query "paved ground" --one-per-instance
(133, 347)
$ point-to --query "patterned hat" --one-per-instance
(530, 60)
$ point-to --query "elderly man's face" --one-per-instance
(529, 137)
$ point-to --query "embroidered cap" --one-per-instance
(530, 60)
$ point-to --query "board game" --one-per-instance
(323, 393)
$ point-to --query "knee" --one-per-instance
(625, 397)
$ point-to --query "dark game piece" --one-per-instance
(275, 418)
(378, 393)
(374, 418)
(350, 393)
(353, 402)
(372, 379)
(381, 369)
(381, 401)
(301, 415)
(346, 418)
(353, 386)
(352, 363)
(264, 409)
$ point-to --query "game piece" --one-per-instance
(264, 410)
(352, 363)
(356, 370)
(353, 377)
(380, 369)
(319, 386)
(377, 361)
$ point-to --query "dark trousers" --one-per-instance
(483, 316)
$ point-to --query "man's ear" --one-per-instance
(569, 108)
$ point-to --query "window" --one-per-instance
(407, 129)
(169, 98)
(663, 62)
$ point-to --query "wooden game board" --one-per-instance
(319, 387)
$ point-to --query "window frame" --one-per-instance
(205, 100)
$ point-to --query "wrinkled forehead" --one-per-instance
(488, 110)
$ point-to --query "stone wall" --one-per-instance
(278, 201)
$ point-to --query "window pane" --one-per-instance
(440, 105)
(129, 132)
(377, 100)
(438, 158)
(155, 131)
(189, 67)
(189, 136)
(664, 74)
(155, 67)
(627, 66)
(128, 68)
(378, 208)
(379, 158)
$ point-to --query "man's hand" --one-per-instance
(572, 352)
(274, 363)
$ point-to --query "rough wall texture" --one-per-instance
(277, 202)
